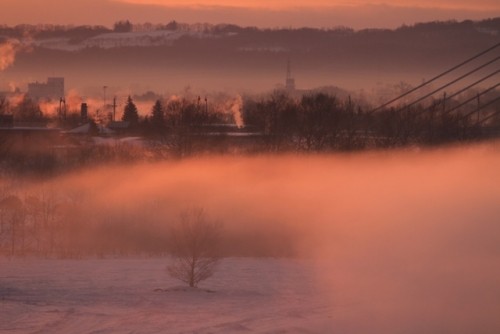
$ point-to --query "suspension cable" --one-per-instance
(437, 77)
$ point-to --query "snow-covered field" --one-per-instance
(137, 296)
(247, 295)
(389, 243)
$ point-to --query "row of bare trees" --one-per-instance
(314, 122)
(321, 122)
(52, 226)
(35, 224)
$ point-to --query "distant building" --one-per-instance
(53, 89)
(290, 81)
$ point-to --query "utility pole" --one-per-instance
(104, 97)
(62, 112)
(114, 109)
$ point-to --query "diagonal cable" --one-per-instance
(436, 77)
(493, 114)
(472, 85)
(462, 90)
(482, 106)
(449, 83)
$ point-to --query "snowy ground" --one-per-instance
(405, 243)
(118, 296)
(246, 295)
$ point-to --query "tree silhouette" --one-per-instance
(157, 116)
(130, 113)
(28, 111)
(194, 244)
(123, 26)
(320, 121)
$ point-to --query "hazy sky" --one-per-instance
(262, 13)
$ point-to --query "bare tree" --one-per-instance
(194, 247)
(12, 213)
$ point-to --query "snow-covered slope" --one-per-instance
(113, 40)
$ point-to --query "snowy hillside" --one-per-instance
(114, 39)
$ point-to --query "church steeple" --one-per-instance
(290, 81)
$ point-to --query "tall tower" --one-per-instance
(290, 81)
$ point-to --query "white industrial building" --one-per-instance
(53, 89)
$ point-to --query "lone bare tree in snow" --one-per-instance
(194, 242)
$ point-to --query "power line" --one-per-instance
(437, 77)
(493, 114)
(471, 85)
(446, 98)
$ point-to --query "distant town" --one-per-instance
(49, 127)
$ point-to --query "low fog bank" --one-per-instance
(341, 205)
(403, 242)
(413, 245)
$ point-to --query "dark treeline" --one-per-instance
(323, 123)
(278, 123)
(328, 42)
(41, 31)
(60, 30)
(314, 122)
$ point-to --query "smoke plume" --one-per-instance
(8, 50)
(236, 106)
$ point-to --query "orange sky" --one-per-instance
(262, 13)
(283, 4)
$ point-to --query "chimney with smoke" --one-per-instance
(84, 112)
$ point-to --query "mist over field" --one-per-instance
(305, 199)
(315, 202)
(399, 241)
(344, 191)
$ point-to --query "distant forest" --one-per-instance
(214, 57)
(40, 31)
